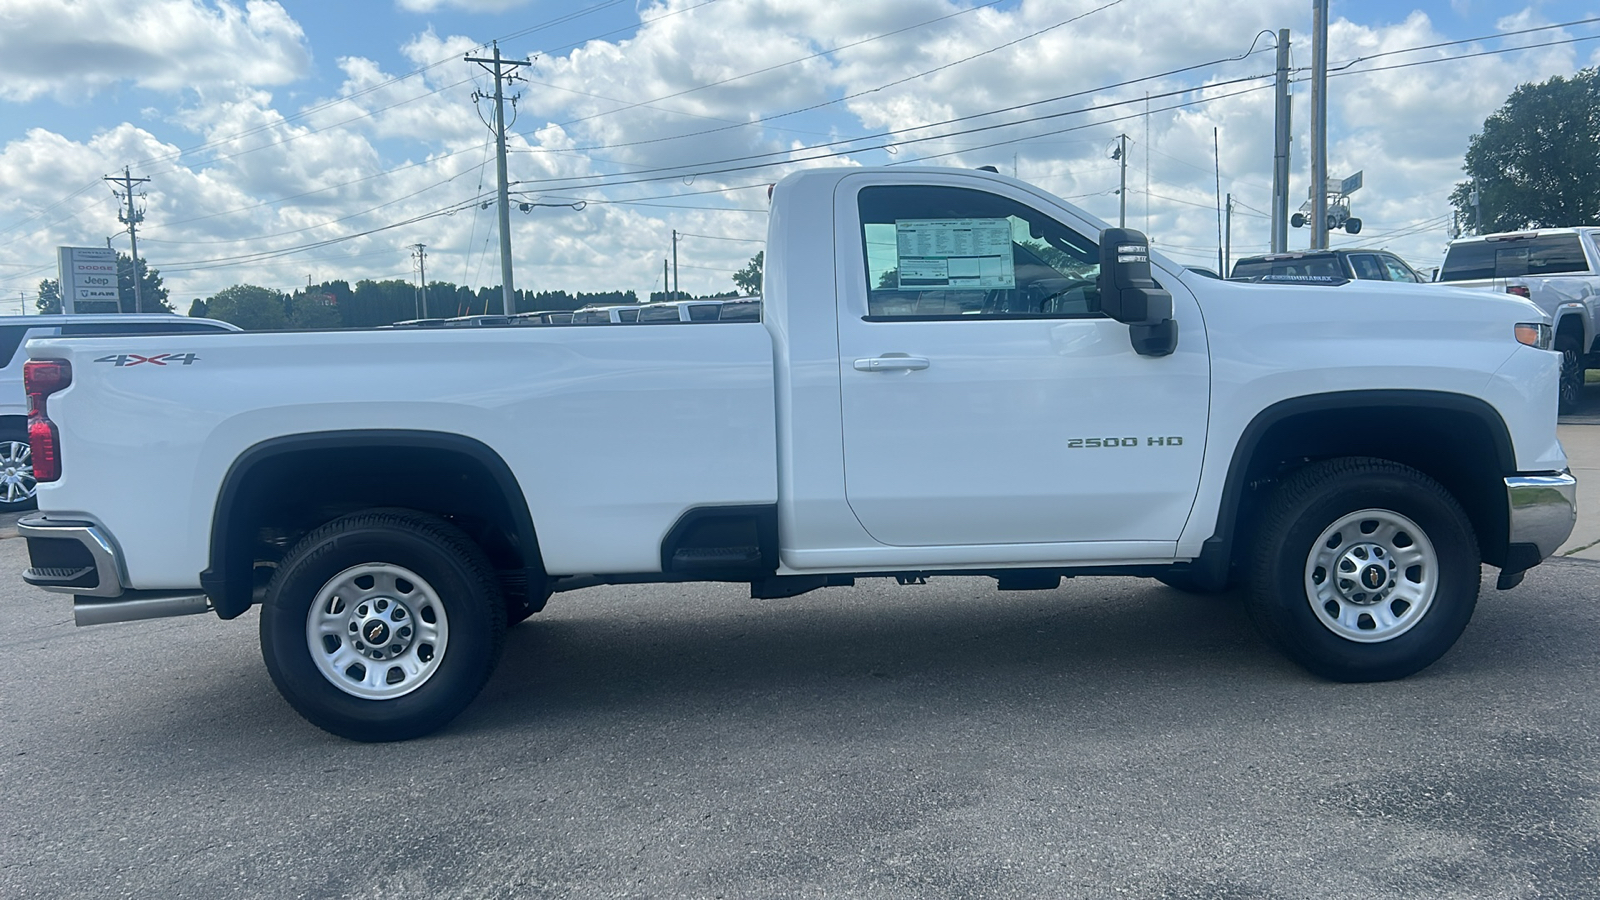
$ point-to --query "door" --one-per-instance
(985, 399)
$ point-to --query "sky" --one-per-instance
(288, 141)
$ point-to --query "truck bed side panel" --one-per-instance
(612, 432)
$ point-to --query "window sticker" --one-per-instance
(954, 253)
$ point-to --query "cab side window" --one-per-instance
(1398, 271)
(1366, 267)
(940, 252)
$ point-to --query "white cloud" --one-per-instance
(476, 6)
(381, 149)
(66, 49)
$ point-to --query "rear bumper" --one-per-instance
(71, 557)
(1543, 508)
(80, 558)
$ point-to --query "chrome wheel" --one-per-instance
(1371, 575)
(377, 631)
(17, 484)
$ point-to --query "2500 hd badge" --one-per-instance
(1107, 443)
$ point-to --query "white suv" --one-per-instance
(16, 460)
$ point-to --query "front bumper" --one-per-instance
(1543, 509)
(80, 558)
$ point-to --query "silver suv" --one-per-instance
(16, 459)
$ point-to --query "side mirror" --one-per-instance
(1129, 294)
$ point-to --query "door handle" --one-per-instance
(891, 363)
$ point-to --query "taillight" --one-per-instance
(41, 378)
(1521, 290)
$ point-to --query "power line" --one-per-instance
(718, 237)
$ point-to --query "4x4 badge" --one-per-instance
(160, 359)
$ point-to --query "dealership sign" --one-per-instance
(88, 279)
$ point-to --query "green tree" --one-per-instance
(748, 279)
(197, 309)
(49, 296)
(154, 293)
(313, 311)
(249, 307)
(1537, 162)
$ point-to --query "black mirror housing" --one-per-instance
(1129, 293)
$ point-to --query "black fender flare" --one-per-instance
(1216, 553)
(227, 581)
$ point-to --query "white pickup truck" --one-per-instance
(1558, 269)
(956, 373)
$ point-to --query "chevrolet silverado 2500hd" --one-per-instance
(955, 373)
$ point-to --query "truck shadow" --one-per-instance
(959, 644)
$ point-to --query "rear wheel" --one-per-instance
(1367, 570)
(1571, 372)
(382, 626)
(17, 484)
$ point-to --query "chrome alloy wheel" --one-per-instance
(16, 472)
(1371, 576)
(377, 631)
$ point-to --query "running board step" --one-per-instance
(132, 606)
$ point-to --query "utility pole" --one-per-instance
(503, 71)
(1121, 155)
(420, 254)
(665, 284)
(1216, 154)
(1227, 237)
(674, 263)
(1280, 150)
(1319, 124)
(131, 218)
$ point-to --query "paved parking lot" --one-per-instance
(1111, 738)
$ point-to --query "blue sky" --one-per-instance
(283, 142)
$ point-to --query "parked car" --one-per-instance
(1362, 265)
(478, 321)
(740, 309)
(545, 317)
(606, 315)
(1559, 270)
(16, 459)
(680, 311)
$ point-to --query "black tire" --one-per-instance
(1571, 372)
(1331, 627)
(17, 487)
(403, 569)
(1352, 226)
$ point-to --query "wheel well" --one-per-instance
(1571, 326)
(281, 490)
(1459, 442)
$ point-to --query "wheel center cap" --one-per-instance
(1374, 577)
(375, 632)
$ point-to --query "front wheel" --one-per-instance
(1368, 570)
(382, 626)
(1571, 373)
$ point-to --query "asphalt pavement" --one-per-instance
(1112, 738)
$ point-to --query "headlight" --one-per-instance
(1534, 334)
